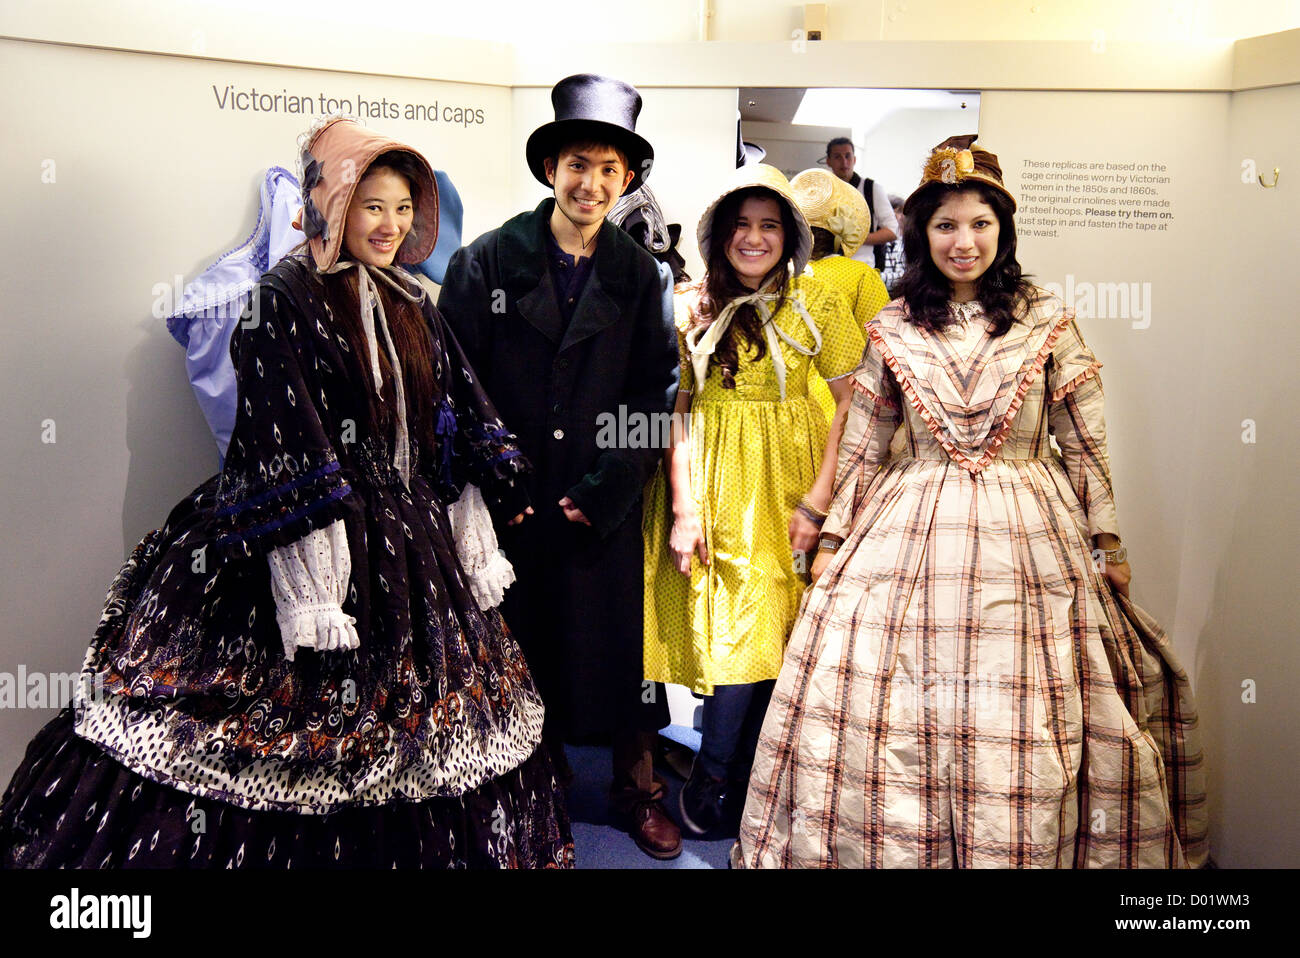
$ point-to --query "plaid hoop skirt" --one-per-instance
(962, 687)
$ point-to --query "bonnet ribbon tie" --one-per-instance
(372, 304)
(702, 341)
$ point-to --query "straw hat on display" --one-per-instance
(831, 204)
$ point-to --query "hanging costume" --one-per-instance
(639, 215)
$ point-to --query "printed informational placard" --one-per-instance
(1065, 194)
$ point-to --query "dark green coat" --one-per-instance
(576, 607)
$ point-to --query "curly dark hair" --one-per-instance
(1003, 290)
(721, 284)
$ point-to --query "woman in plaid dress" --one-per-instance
(968, 684)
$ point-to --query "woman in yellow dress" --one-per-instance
(840, 221)
(749, 481)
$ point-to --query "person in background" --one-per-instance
(841, 159)
(969, 684)
(837, 215)
(749, 481)
(568, 321)
(294, 671)
(895, 258)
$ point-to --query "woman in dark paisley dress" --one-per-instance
(294, 671)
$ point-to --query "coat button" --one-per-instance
(563, 364)
(558, 434)
(555, 408)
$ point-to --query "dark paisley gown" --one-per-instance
(208, 746)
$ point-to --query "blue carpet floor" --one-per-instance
(599, 842)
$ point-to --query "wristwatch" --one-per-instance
(827, 544)
(1114, 556)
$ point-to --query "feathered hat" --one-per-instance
(956, 161)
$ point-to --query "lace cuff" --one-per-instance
(309, 580)
(486, 567)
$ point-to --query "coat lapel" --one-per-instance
(599, 305)
(541, 310)
(521, 248)
(595, 311)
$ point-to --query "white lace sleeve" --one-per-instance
(486, 567)
(309, 580)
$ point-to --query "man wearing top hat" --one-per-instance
(565, 317)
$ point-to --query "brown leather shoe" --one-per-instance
(654, 832)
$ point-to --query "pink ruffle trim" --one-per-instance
(875, 400)
(1063, 391)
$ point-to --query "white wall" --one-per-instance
(1236, 586)
(942, 20)
(675, 21)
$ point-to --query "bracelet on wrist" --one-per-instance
(809, 513)
(805, 506)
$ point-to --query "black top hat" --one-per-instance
(602, 108)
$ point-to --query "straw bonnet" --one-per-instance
(759, 174)
(956, 162)
(831, 204)
(333, 162)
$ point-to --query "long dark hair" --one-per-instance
(406, 323)
(721, 284)
(1003, 290)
